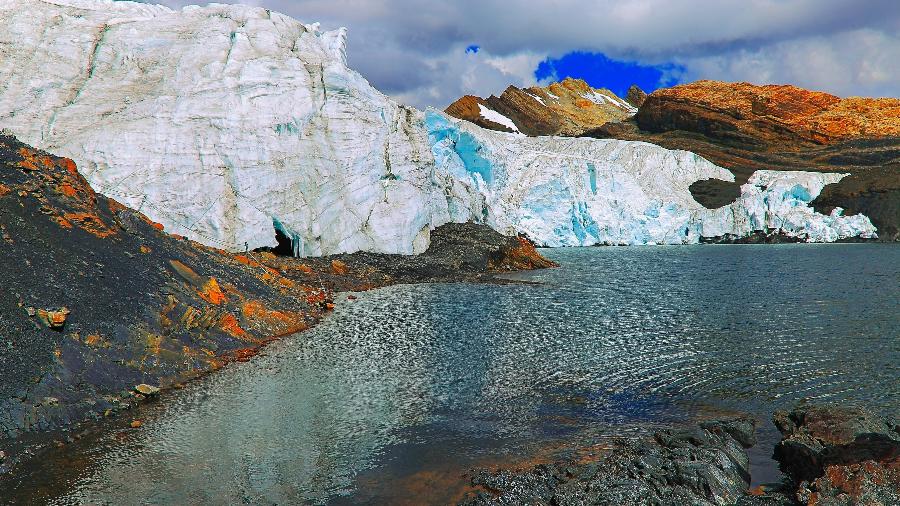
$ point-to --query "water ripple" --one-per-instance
(617, 336)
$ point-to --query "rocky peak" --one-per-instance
(569, 107)
(636, 96)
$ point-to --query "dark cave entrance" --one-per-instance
(285, 246)
(289, 244)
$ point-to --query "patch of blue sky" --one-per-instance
(600, 71)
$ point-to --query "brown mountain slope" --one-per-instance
(569, 108)
(745, 128)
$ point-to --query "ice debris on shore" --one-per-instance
(226, 122)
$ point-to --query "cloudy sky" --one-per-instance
(416, 50)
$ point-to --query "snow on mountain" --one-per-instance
(496, 117)
(225, 122)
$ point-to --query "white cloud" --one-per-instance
(860, 62)
(459, 73)
(415, 49)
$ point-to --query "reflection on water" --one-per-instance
(410, 379)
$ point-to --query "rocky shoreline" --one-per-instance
(832, 456)
(104, 309)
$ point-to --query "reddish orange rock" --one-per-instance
(769, 112)
(339, 268)
(212, 293)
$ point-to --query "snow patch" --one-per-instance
(601, 98)
(496, 117)
(537, 98)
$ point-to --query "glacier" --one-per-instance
(227, 122)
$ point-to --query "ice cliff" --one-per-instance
(225, 122)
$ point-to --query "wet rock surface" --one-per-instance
(840, 455)
(706, 464)
(832, 455)
(746, 128)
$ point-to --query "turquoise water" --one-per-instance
(403, 389)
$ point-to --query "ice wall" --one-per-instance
(580, 192)
(226, 122)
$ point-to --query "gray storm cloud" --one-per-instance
(415, 50)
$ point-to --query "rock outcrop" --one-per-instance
(767, 115)
(746, 128)
(569, 108)
(704, 465)
(636, 96)
(840, 455)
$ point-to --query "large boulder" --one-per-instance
(840, 455)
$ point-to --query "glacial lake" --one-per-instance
(392, 398)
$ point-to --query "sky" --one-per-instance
(431, 52)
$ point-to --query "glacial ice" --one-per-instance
(226, 122)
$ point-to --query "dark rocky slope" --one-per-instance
(98, 300)
(746, 128)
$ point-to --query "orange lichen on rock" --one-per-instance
(244, 354)
(68, 190)
(339, 268)
(93, 340)
(855, 483)
(316, 296)
(89, 222)
(4, 190)
(33, 160)
(524, 256)
(247, 261)
(211, 292)
(281, 322)
(230, 325)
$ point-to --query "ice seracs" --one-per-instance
(220, 122)
(581, 192)
(227, 122)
